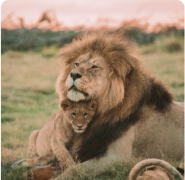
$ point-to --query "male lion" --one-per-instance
(136, 115)
(56, 135)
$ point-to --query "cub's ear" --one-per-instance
(66, 104)
(92, 104)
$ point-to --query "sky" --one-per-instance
(88, 12)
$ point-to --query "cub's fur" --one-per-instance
(53, 139)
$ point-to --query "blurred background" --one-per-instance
(34, 24)
(32, 33)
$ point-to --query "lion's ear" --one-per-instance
(92, 105)
(66, 104)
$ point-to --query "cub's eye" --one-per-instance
(85, 114)
(94, 67)
(73, 114)
(76, 64)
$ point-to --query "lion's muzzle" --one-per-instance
(75, 94)
(74, 88)
(76, 84)
(75, 76)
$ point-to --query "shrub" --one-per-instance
(50, 51)
(173, 46)
(167, 44)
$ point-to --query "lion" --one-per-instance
(56, 135)
(136, 115)
(156, 169)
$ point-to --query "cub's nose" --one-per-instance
(80, 126)
(75, 76)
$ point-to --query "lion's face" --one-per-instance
(79, 114)
(88, 77)
(98, 67)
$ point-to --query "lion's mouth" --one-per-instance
(79, 130)
(74, 88)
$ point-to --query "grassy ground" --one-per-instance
(28, 99)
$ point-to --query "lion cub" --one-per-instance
(53, 139)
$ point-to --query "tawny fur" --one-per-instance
(53, 139)
(135, 109)
(156, 170)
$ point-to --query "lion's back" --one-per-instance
(161, 135)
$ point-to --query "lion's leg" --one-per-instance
(32, 144)
(118, 151)
(32, 152)
(31, 162)
(33, 159)
(90, 168)
(45, 160)
(62, 154)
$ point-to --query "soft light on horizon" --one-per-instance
(89, 13)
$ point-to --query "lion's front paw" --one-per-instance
(69, 173)
(66, 164)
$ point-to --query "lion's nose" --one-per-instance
(80, 126)
(75, 76)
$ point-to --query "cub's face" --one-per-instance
(79, 114)
(88, 78)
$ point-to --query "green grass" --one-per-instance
(50, 51)
(28, 99)
(169, 44)
(169, 68)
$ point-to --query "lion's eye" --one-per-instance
(94, 67)
(85, 114)
(73, 114)
(76, 64)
